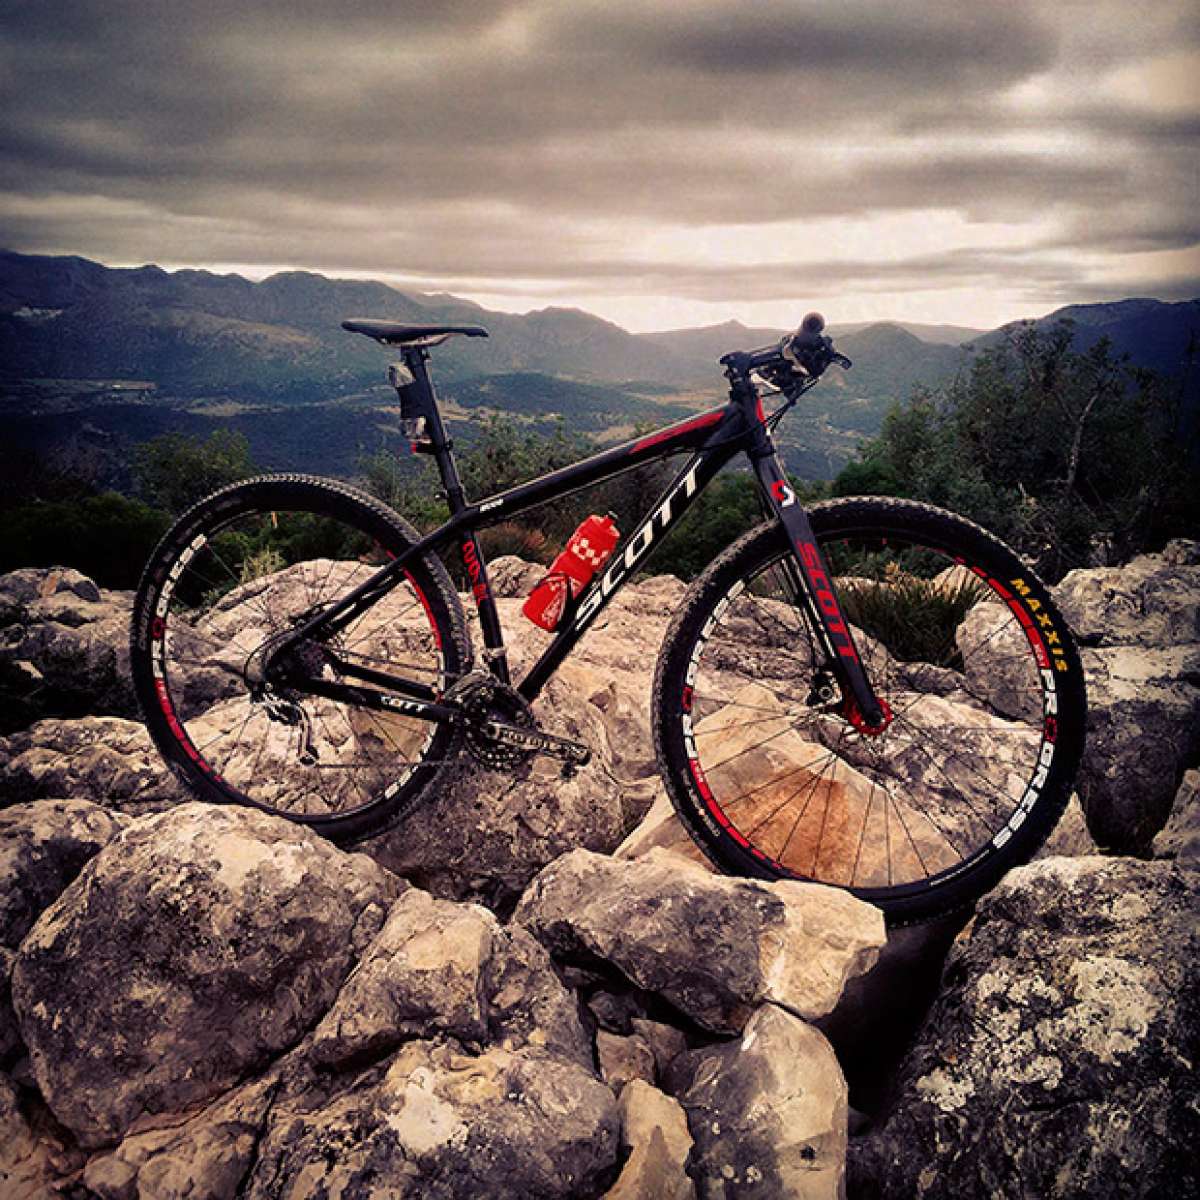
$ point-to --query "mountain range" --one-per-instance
(136, 350)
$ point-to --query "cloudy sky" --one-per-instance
(659, 164)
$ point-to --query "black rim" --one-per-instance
(802, 793)
(228, 587)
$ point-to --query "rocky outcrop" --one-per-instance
(654, 1133)
(1059, 1058)
(768, 1113)
(214, 1003)
(193, 948)
(107, 760)
(63, 647)
(43, 846)
(1139, 626)
(713, 947)
(1180, 837)
(442, 968)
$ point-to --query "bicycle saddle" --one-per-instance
(391, 333)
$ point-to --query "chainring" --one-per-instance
(484, 700)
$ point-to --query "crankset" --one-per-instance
(500, 729)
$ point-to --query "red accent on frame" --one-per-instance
(701, 422)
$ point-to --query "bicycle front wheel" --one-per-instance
(771, 776)
(248, 564)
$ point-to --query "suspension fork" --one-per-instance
(815, 593)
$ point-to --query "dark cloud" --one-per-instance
(509, 145)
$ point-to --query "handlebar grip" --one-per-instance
(809, 333)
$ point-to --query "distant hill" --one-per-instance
(196, 333)
(1154, 333)
(139, 350)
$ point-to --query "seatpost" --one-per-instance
(440, 445)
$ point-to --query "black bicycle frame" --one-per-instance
(713, 438)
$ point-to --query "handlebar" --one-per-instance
(803, 355)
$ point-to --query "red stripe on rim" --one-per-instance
(711, 804)
(164, 702)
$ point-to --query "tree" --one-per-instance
(174, 471)
(1071, 456)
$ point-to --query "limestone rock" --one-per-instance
(711, 946)
(194, 947)
(654, 1132)
(484, 835)
(623, 1059)
(665, 1041)
(442, 968)
(206, 1156)
(998, 664)
(1180, 837)
(1153, 600)
(1070, 838)
(108, 760)
(1143, 730)
(1060, 1057)
(74, 635)
(438, 1124)
(10, 1035)
(422, 973)
(768, 1113)
(30, 1164)
(43, 846)
(661, 828)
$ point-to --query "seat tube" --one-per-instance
(468, 544)
(816, 593)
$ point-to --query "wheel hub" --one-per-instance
(856, 718)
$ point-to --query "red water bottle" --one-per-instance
(586, 551)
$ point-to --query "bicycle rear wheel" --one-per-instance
(246, 565)
(772, 777)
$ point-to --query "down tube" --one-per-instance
(674, 502)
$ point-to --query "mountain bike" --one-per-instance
(870, 693)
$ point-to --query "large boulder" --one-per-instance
(191, 950)
(1153, 600)
(484, 836)
(1179, 838)
(768, 1113)
(437, 1123)
(108, 760)
(655, 1134)
(440, 968)
(64, 647)
(43, 846)
(712, 947)
(1143, 730)
(1059, 1058)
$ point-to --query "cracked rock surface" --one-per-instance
(1059, 1059)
